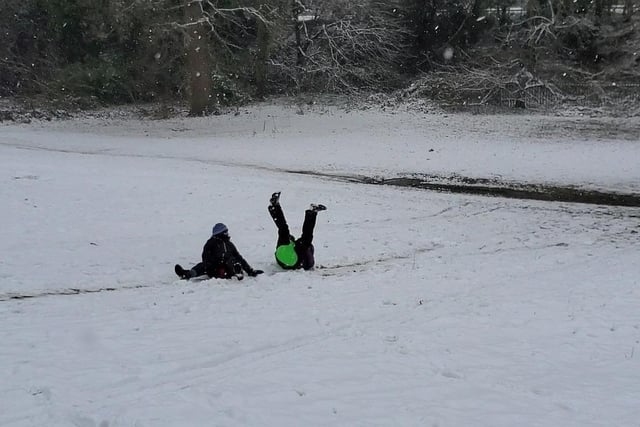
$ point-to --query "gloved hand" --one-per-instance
(254, 273)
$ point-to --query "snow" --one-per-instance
(427, 309)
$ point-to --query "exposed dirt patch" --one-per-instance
(494, 188)
(590, 128)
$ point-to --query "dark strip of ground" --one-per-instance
(495, 188)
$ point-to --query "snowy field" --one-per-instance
(426, 309)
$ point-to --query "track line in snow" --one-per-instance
(68, 291)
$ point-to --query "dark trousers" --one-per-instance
(304, 243)
(224, 271)
(198, 270)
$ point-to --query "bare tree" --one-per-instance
(343, 45)
(598, 6)
(262, 56)
(210, 30)
(298, 21)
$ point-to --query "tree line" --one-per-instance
(220, 52)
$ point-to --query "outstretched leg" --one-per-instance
(196, 270)
(304, 245)
(308, 225)
(275, 210)
(307, 229)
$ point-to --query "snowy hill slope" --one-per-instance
(426, 308)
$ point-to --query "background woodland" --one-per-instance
(215, 53)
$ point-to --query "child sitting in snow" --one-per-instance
(220, 259)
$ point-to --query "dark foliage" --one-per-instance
(119, 51)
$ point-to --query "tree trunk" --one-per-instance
(628, 8)
(598, 10)
(198, 60)
(262, 56)
(296, 10)
(565, 8)
(533, 8)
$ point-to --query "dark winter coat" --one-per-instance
(219, 256)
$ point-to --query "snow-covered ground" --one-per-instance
(427, 309)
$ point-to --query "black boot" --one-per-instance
(317, 208)
(182, 273)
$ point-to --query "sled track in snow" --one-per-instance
(67, 291)
(367, 264)
(323, 270)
